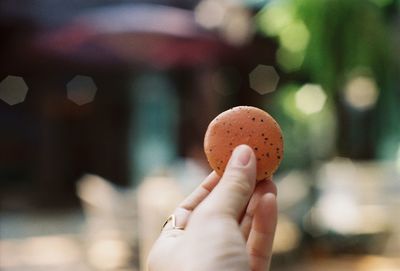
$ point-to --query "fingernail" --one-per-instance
(241, 155)
(270, 195)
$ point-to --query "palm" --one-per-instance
(242, 243)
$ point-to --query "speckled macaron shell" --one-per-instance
(244, 125)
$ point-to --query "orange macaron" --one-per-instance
(244, 125)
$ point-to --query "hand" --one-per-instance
(224, 225)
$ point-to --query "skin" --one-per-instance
(229, 223)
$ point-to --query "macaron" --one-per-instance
(244, 125)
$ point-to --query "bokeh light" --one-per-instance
(279, 19)
(237, 29)
(398, 159)
(378, 263)
(50, 250)
(210, 13)
(232, 21)
(355, 218)
(40, 252)
(288, 100)
(289, 61)
(81, 89)
(275, 17)
(310, 99)
(109, 254)
(361, 92)
(287, 236)
(264, 79)
(295, 36)
(13, 90)
(293, 188)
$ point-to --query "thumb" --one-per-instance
(236, 186)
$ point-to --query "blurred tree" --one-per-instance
(331, 42)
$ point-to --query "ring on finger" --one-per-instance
(172, 218)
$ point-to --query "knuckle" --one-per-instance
(238, 182)
(258, 253)
(240, 187)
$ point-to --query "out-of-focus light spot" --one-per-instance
(293, 188)
(398, 159)
(81, 89)
(361, 92)
(310, 99)
(96, 192)
(288, 60)
(161, 193)
(210, 13)
(50, 250)
(287, 236)
(274, 18)
(377, 263)
(374, 219)
(295, 36)
(288, 101)
(355, 218)
(333, 206)
(13, 90)
(237, 27)
(10, 255)
(382, 3)
(109, 254)
(264, 79)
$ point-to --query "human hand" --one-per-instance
(226, 224)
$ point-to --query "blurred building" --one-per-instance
(137, 56)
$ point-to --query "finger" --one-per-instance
(262, 188)
(233, 191)
(200, 193)
(259, 244)
(184, 209)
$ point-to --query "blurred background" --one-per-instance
(104, 105)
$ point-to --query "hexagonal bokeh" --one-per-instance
(361, 92)
(264, 79)
(81, 89)
(310, 99)
(13, 90)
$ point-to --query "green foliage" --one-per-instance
(342, 35)
(338, 39)
(345, 35)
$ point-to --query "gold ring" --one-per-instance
(172, 218)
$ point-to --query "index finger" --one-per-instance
(200, 193)
(184, 209)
